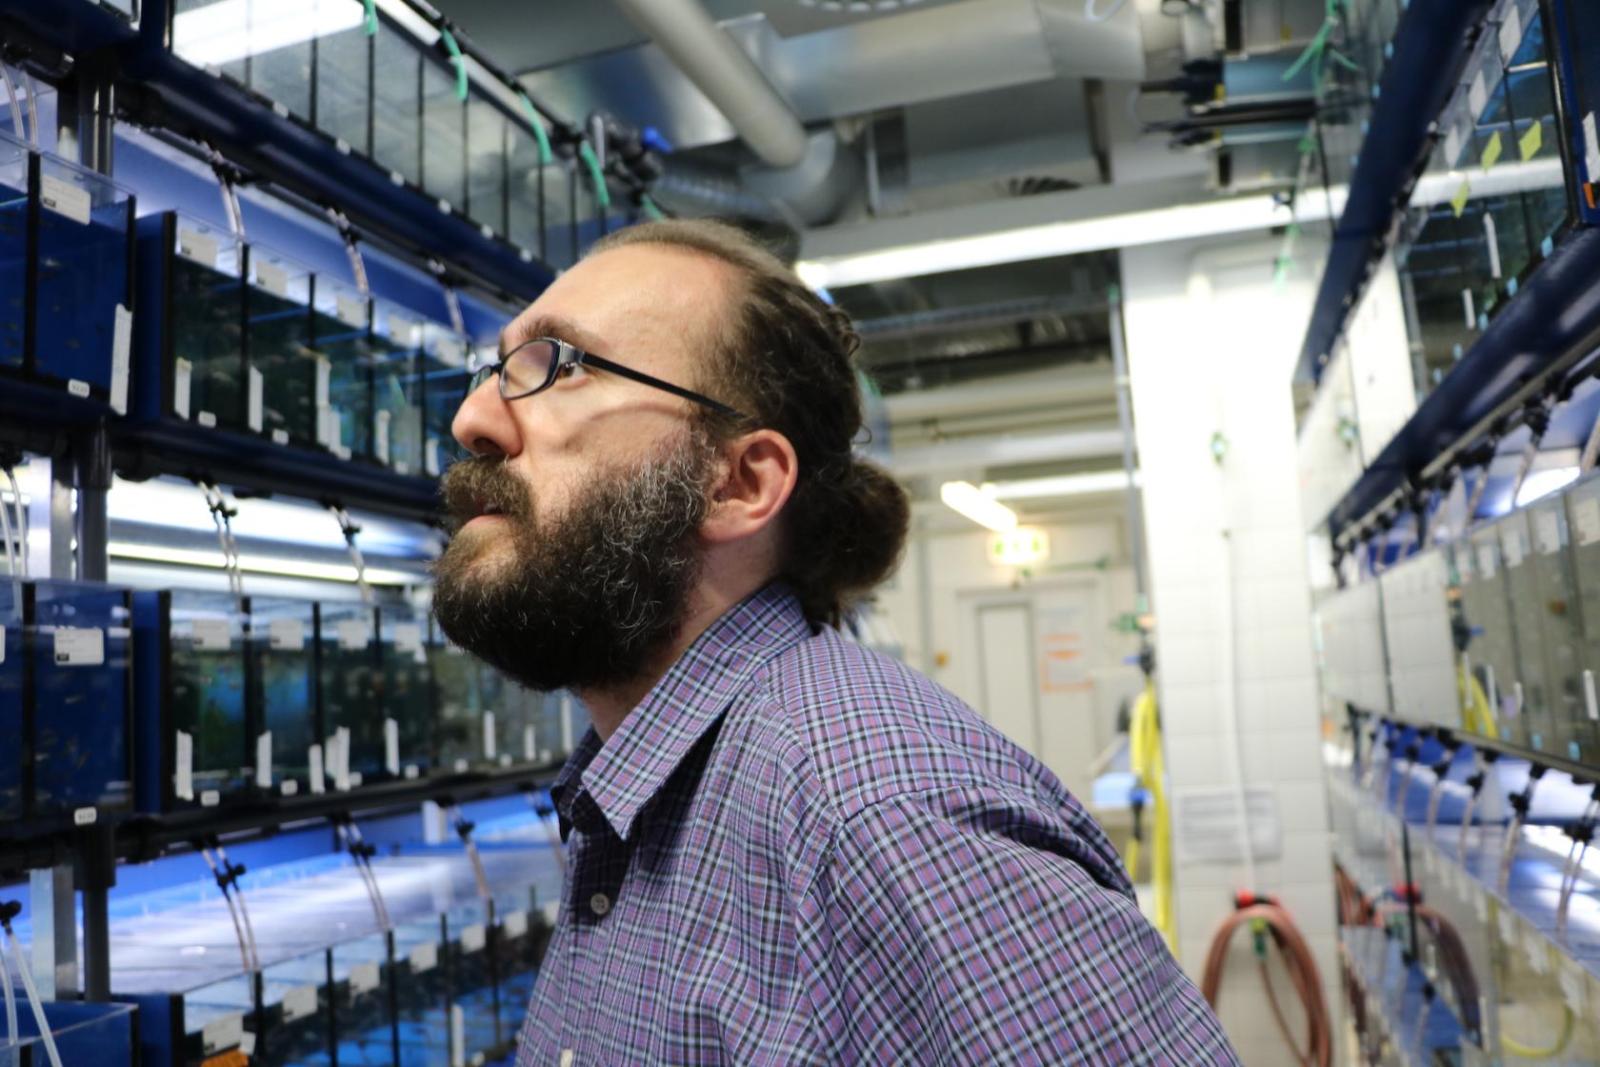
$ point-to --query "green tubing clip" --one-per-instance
(651, 210)
(457, 59)
(372, 17)
(538, 129)
(601, 193)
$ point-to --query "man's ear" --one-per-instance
(759, 474)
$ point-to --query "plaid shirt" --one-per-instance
(798, 851)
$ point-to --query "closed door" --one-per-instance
(1008, 684)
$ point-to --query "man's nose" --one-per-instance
(484, 424)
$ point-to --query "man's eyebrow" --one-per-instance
(562, 329)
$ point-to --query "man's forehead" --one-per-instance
(623, 297)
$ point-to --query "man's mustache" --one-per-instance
(481, 485)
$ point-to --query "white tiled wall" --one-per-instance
(1212, 342)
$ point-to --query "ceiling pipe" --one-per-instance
(725, 73)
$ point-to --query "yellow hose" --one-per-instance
(1530, 1052)
(1476, 715)
(1144, 760)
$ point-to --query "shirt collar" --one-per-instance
(623, 774)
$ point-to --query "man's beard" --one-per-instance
(584, 598)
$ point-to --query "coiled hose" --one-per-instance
(1271, 922)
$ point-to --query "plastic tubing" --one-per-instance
(11, 560)
(1299, 962)
(12, 1037)
(38, 1007)
(16, 108)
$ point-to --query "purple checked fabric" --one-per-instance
(796, 850)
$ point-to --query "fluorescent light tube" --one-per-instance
(233, 29)
(972, 502)
(288, 568)
(1063, 485)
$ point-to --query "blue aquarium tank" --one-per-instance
(446, 373)
(396, 387)
(84, 276)
(283, 691)
(14, 164)
(206, 691)
(80, 644)
(278, 342)
(340, 338)
(12, 676)
(205, 323)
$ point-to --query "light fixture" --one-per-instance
(228, 31)
(1063, 485)
(1152, 226)
(274, 565)
(972, 502)
(1544, 482)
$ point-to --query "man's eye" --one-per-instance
(572, 370)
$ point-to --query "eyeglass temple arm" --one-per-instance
(604, 364)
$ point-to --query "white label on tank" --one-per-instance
(253, 398)
(515, 923)
(1452, 146)
(1477, 95)
(85, 817)
(425, 957)
(363, 978)
(343, 780)
(183, 766)
(430, 457)
(488, 735)
(1510, 33)
(1486, 562)
(354, 634)
(458, 1026)
(280, 437)
(380, 436)
(289, 788)
(1514, 548)
(314, 764)
(199, 247)
(182, 377)
(211, 635)
(403, 331)
(552, 912)
(450, 350)
(220, 1035)
(286, 635)
(79, 389)
(1586, 520)
(2, 644)
(1468, 312)
(264, 759)
(1493, 242)
(391, 746)
(1591, 147)
(1547, 530)
(1508, 927)
(65, 199)
(247, 1043)
(1573, 983)
(1537, 949)
(324, 376)
(529, 750)
(210, 798)
(413, 772)
(121, 344)
(473, 938)
(80, 646)
(407, 637)
(462, 766)
(206, 419)
(299, 1002)
(352, 311)
(273, 278)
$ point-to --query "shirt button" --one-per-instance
(566, 1057)
(599, 904)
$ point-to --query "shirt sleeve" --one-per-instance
(963, 926)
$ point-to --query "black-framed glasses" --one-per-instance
(533, 366)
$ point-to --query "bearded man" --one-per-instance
(783, 847)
